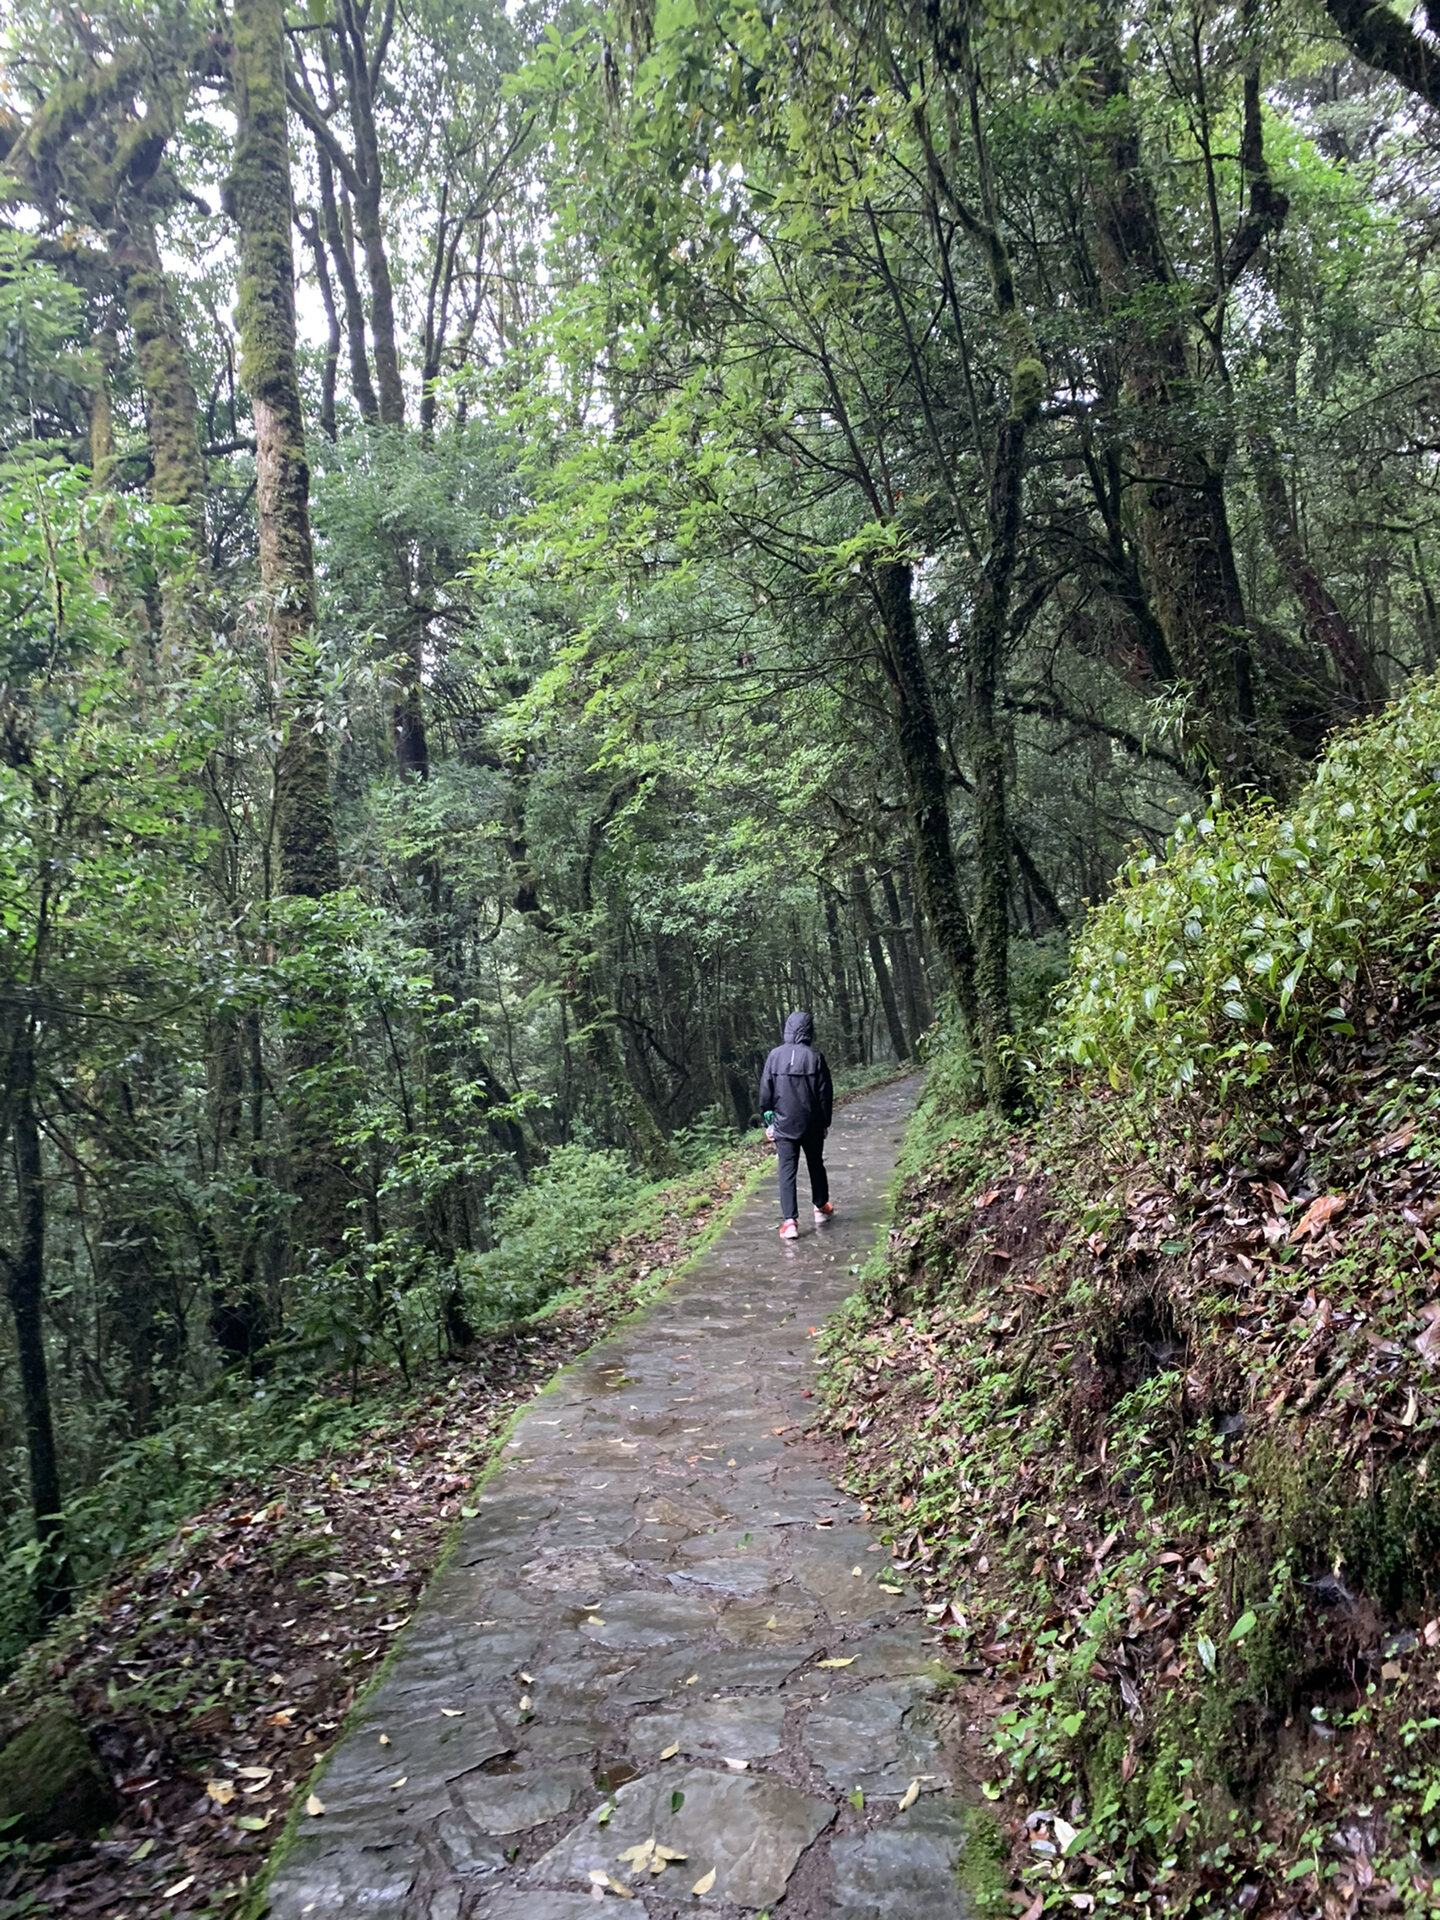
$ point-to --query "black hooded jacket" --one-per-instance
(796, 1082)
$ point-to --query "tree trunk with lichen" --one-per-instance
(927, 794)
(172, 413)
(259, 198)
(337, 240)
(986, 646)
(1361, 687)
(25, 1284)
(1180, 522)
(884, 982)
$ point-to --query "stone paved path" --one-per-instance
(663, 1629)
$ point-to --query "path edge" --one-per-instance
(257, 1898)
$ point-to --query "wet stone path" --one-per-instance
(662, 1668)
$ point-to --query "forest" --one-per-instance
(537, 538)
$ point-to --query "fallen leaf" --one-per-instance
(705, 1882)
(594, 1620)
(668, 1853)
(618, 1886)
(1035, 1908)
(256, 1773)
(910, 1795)
(395, 1785)
(638, 1854)
(220, 1791)
(856, 1797)
(384, 1739)
(524, 1703)
(393, 1626)
(1318, 1214)
(1064, 1833)
(771, 1624)
(453, 1713)
(253, 1822)
(180, 1886)
(1428, 1343)
(691, 1681)
(671, 1751)
(314, 1805)
(143, 1851)
(838, 1663)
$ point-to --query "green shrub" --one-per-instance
(548, 1230)
(1243, 946)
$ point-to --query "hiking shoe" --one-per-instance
(789, 1230)
(822, 1214)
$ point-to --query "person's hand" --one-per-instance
(769, 1133)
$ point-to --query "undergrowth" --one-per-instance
(552, 1232)
(1142, 1391)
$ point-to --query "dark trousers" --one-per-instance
(787, 1152)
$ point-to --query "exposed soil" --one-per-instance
(1282, 1312)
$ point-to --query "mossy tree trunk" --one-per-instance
(841, 978)
(987, 754)
(337, 239)
(1179, 516)
(361, 60)
(885, 985)
(1005, 455)
(259, 197)
(922, 764)
(902, 954)
(25, 1283)
(172, 413)
(1361, 688)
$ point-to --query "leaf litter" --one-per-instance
(1055, 1396)
(217, 1673)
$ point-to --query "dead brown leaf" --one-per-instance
(1318, 1215)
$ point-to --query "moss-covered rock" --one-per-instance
(50, 1781)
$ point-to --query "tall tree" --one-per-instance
(259, 197)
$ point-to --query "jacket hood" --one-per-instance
(799, 1030)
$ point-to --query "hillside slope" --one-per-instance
(1144, 1393)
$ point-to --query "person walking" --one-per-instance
(796, 1099)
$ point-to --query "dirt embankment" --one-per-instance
(1156, 1431)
